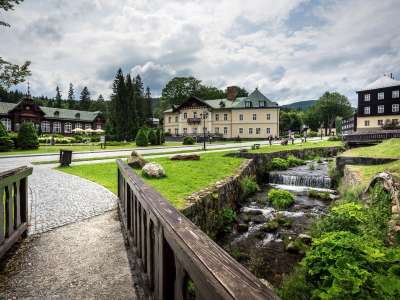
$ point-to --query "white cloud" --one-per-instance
(342, 45)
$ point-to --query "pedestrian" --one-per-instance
(270, 140)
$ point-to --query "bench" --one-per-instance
(255, 146)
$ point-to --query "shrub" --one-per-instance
(319, 195)
(334, 138)
(248, 185)
(280, 199)
(27, 137)
(6, 143)
(161, 136)
(278, 164)
(141, 138)
(188, 140)
(152, 137)
(312, 134)
(294, 161)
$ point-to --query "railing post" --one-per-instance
(2, 228)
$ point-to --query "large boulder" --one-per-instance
(186, 157)
(153, 170)
(136, 160)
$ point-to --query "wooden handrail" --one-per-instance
(13, 206)
(172, 251)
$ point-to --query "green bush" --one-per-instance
(141, 138)
(278, 164)
(319, 195)
(312, 134)
(6, 143)
(334, 138)
(280, 199)
(248, 185)
(294, 161)
(161, 136)
(27, 137)
(152, 137)
(188, 140)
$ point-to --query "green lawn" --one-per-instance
(389, 149)
(275, 148)
(183, 177)
(76, 148)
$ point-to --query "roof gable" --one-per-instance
(382, 82)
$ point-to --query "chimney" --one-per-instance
(231, 93)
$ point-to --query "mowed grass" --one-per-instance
(183, 177)
(365, 173)
(79, 148)
(386, 149)
(308, 145)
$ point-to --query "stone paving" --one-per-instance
(84, 260)
(57, 199)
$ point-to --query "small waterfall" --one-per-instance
(300, 180)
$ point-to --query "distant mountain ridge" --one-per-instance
(300, 105)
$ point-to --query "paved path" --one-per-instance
(84, 260)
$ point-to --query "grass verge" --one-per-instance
(386, 149)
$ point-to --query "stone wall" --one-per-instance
(349, 177)
(341, 161)
(208, 205)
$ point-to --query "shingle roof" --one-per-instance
(66, 114)
(382, 82)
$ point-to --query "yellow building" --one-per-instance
(249, 117)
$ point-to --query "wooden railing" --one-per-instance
(178, 260)
(14, 206)
(372, 136)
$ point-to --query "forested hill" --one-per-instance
(300, 105)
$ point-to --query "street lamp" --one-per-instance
(205, 115)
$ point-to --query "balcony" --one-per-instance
(194, 120)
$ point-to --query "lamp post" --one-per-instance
(205, 115)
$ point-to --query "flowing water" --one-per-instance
(271, 253)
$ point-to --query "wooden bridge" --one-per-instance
(175, 259)
(370, 138)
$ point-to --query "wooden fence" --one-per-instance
(177, 259)
(14, 206)
(371, 137)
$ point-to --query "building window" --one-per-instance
(262, 104)
(56, 127)
(395, 121)
(258, 130)
(396, 94)
(176, 119)
(381, 109)
(254, 117)
(169, 130)
(98, 126)
(268, 116)
(240, 130)
(367, 97)
(88, 126)
(67, 127)
(216, 130)
(216, 117)
(395, 108)
(169, 119)
(367, 110)
(176, 131)
(268, 130)
(184, 130)
(195, 114)
(366, 123)
(78, 125)
(241, 117)
(225, 130)
(250, 130)
(380, 122)
(7, 123)
(225, 117)
(248, 104)
(194, 130)
(45, 126)
(185, 115)
(381, 96)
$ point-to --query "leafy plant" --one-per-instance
(6, 143)
(248, 185)
(278, 164)
(27, 137)
(280, 199)
(294, 161)
(311, 167)
(188, 140)
(319, 195)
(152, 137)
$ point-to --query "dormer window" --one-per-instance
(381, 96)
(56, 113)
(77, 116)
(222, 104)
(248, 104)
(262, 104)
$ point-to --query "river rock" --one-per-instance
(292, 247)
(305, 238)
(242, 227)
(135, 160)
(186, 157)
(258, 219)
(153, 170)
(271, 226)
(267, 284)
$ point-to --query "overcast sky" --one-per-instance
(290, 49)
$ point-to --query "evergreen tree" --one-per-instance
(141, 138)
(152, 137)
(100, 98)
(140, 107)
(118, 107)
(147, 97)
(27, 137)
(71, 97)
(58, 100)
(85, 99)
(131, 116)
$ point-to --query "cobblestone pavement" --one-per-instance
(57, 198)
(84, 260)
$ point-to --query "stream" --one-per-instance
(269, 250)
